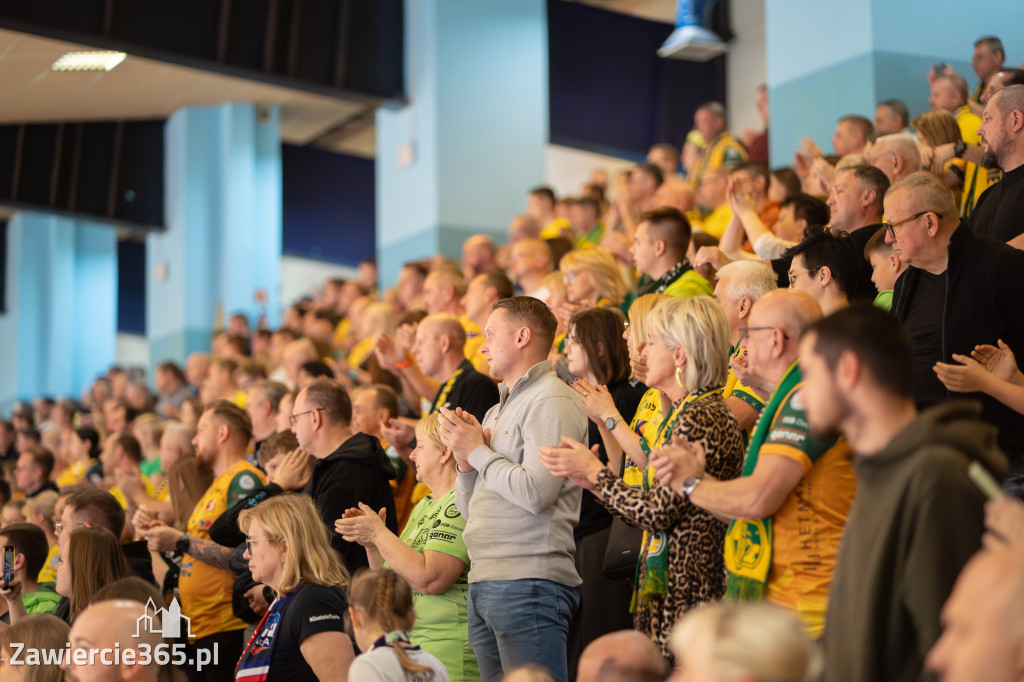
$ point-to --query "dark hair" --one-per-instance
(873, 179)
(993, 43)
(317, 369)
(898, 108)
(788, 178)
(670, 226)
(30, 540)
(31, 433)
(131, 588)
(174, 370)
(653, 171)
(130, 445)
(43, 458)
(545, 192)
(420, 269)
(277, 444)
(87, 433)
(502, 284)
(824, 247)
(598, 331)
(530, 312)
(808, 208)
(754, 169)
(99, 508)
(1016, 77)
(331, 398)
(700, 239)
(384, 397)
(877, 338)
(5, 491)
(863, 126)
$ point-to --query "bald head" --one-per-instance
(677, 194)
(789, 309)
(110, 624)
(448, 326)
(626, 650)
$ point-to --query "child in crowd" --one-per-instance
(886, 268)
(381, 612)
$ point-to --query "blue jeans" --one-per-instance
(512, 622)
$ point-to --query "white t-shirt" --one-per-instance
(381, 665)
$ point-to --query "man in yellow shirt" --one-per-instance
(720, 147)
(482, 293)
(949, 92)
(206, 583)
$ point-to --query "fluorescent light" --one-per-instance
(88, 61)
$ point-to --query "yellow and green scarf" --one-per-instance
(748, 542)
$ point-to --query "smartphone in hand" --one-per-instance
(8, 566)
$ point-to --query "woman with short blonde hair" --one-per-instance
(302, 632)
(590, 273)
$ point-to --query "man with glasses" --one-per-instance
(960, 290)
(789, 508)
(350, 467)
(827, 265)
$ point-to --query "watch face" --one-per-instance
(609, 423)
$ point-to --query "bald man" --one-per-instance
(984, 633)
(113, 624)
(895, 155)
(790, 505)
(529, 262)
(630, 653)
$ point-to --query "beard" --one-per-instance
(989, 159)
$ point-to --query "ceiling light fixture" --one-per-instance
(88, 61)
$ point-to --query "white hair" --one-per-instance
(749, 278)
(903, 146)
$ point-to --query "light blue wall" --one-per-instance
(830, 58)
(477, 122)
(60, 331)
(223, 238)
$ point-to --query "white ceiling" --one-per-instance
(145, 88)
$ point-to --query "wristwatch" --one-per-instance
(958, 149)
(690, 484)
(183, 543)
(611, 422)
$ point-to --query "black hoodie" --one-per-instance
(915, 521)
(358, 471)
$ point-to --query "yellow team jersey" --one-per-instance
(976, 178)
(205, 590)
(123, 501)
(559, 227)
(474, 342)
(716, 221)
(360, 352)
(645, 424)
(73, 474)
(48, 573)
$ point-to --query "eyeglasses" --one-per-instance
(793, 275)
(891, 227)
(295, 417)
(745, 331)
(58, 527)
(249, 541)
(568, 277)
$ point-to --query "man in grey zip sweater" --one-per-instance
(519, 518)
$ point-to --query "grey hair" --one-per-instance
(928, 192)
(747, 278)
(903, 146)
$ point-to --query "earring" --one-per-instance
(679, 377)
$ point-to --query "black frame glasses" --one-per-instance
(295, 417)
(891, 227)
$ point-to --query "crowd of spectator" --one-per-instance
(705, 420)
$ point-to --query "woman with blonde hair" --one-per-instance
(751, 641)
(42, 632)
(430, 554)
(681, 561)
(302, 634)
(381, 612)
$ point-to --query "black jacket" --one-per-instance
(984, 280)
(358, 471)
(140, 561)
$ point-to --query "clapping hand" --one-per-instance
(677, 461)
(571, 459)
(361, 525)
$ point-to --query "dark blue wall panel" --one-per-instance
(609, 90)
(329, 208)
(131, 287)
